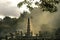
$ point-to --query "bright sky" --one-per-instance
(13, 3)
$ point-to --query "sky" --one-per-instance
(9, 8)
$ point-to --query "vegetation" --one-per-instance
(45, 5)
(7, 24)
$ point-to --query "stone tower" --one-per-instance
(28, 27)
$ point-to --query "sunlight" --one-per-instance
(24, 8)
(15, 2)
(2, 16)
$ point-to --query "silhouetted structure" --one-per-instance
(18, 35)
(28, 28)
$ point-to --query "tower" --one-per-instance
(28, 27)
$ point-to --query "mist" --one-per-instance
(40, 21)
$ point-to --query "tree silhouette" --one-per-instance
(9, 21)
(46, 5)
(7, 24)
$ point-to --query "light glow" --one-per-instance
(2, 16)
(13, 3)
(24, 8)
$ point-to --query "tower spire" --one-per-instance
(28, 27)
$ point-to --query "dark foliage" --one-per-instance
(7, 24)
(57, 34)
(46, 5)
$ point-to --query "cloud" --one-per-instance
(6, 9)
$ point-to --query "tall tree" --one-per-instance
(45, 5)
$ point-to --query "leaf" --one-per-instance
(56, 1)
(20, 4)
(29, 7)
(36, 3)
(48, 7)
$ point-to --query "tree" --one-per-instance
(9, 21)
(57, 34)
(45, 5)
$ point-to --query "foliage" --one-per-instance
(7, 23)
(46, 5)
(57, 33)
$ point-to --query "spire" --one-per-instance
(28, 27)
